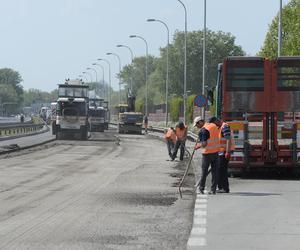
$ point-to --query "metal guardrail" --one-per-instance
(15, 129)
(191, 136)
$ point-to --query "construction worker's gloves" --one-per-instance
(227, 155)
(197, 146)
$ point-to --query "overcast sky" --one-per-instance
(47, 41)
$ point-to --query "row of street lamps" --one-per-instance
(146, 73)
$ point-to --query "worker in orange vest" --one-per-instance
(170, 138)
(181, 135)
(226, 147)
(209, 142)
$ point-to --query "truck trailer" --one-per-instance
(260, 99)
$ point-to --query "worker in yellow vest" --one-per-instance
(209, 142)
(181, 135)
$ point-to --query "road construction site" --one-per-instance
(120, 191)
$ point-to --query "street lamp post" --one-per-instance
(204, 58)
(184, 81)
(94, 71)
(119, 59)
(167, 74)
(102, 68)
(131, 73)
(109, 78)
(85, 72)
(280, 28)
(135, 36)
(82, 76)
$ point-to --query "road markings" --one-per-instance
(197, 237)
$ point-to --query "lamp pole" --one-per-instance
(167, 74)
(85, 72)
(119, 59)
(82, 76)
(184, 77)
(88, 68)
(204, 58)
(280, 28)
(102, 68)
(131, 73)
(109, 79)
(136, 36)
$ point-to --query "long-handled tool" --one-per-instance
(187, 169)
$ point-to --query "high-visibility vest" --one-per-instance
(223, 140)
(213, 141)
(180, 133)
(170, 135)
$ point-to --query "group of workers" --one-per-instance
(176, 140)
(216, 142)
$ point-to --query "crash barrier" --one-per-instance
(15, 129)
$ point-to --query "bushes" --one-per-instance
(190, 108)
(176, 108)
(175, 104)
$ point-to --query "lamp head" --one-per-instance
(151, 20)
(119, 45)
(109, 53)
(132, 36)
(88, 68)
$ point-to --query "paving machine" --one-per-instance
(129, 121)
(71, 110)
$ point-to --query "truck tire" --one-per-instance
(58, 135)
(84, 134)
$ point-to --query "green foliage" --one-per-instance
(190, 108)
(219, 45)
(137, 72)
(290, 33)
(212, 108)
(175, 104)
(10, 88)
(139, 105)
(35, 95)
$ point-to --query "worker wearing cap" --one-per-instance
(209, 142)
(181, 135)
(226, 147)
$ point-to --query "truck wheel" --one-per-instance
(53, 128)
(84, 134)
(59, 135)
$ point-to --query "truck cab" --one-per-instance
(72, 110)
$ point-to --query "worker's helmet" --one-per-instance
(197, 119)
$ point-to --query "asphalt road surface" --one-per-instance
(109, 194)
(95, 194)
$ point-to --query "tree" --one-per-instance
(219, 46)
(8, 99)
(33, 95)
(9, 77)
(290, 35)
(138, 68)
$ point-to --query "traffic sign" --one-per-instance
(200, 101)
